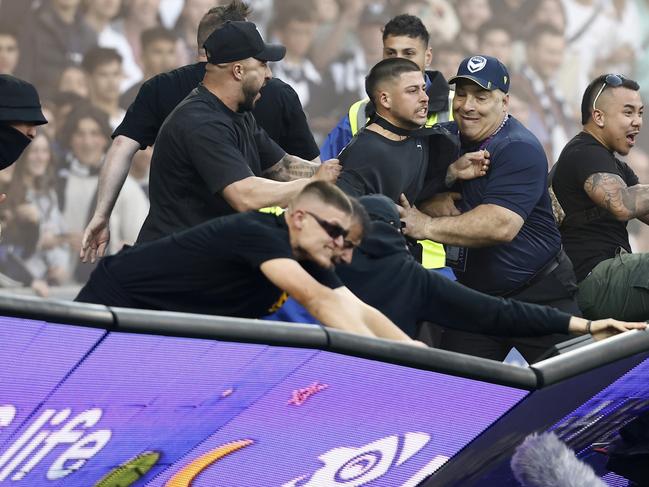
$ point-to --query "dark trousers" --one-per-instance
(558, 289)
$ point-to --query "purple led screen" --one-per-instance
(172, 412)
(599, 419)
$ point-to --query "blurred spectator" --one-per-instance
(495, 40)
(53, 36)
(344, 82)
(294, 26)
(472, 15)
(42, 250)
(336, 32)
(103, 67)
(514, 14)
(73, 80)
(159, 55)
(550, 12)
(140, 16)
(186, 29)
(447, 57)
(8, 51)
(99, 13)
(13, 13)
(438, 16)
(539, 79)
(86, 134)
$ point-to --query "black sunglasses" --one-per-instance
(613, 80)
(333, 229)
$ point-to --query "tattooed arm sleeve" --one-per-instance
(290, 168)
(610, 192)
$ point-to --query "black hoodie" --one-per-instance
(384, 274)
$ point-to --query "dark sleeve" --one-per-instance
(297, 139)
(269, 152)
(590, 159)
(358, 170)
(214, 153)
(142, 121)
(456, 306)
(257, 243)
(326, 277)
(517, 178)
(628, 175)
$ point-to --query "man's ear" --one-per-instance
(506, 102)
(238, 70)
(598, 117)
(428, 57)
(385, 99)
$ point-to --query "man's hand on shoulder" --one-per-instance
(328, 171)
(471, 165)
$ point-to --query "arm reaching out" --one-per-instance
(602, 329)
(335, 308)
(111, 179)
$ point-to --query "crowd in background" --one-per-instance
(88, 59)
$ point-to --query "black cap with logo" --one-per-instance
(238, 40)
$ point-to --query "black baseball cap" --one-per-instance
(237, 40)
(19, 101)
(486, 71)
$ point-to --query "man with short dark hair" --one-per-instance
(391, 155)
(278, 112)
(599, 195)
(505, 243)
(159, 55)
(404, 36)
(103, 68)
(246, 265)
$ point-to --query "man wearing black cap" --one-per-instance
(505, 242)
(20, 113)
(278, 112)
(210, 153)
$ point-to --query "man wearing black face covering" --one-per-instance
(20, 113)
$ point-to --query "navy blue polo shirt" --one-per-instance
(517, 180)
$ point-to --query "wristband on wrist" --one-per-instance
(588, 326)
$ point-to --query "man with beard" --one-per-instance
(278, 112)
(210, 152)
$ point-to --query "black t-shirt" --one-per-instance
(588, 241)
(278, 111)
(212, 268)
(202, 148)
(373, 164)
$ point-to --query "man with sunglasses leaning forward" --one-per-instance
(246, 265)
(599, 194)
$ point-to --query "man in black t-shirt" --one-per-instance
(278, 111)
(246, 265)
(599, 194)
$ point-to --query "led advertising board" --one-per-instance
(133, 409)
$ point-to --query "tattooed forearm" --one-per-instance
(611, 193)
(290, 168)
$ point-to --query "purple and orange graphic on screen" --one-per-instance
(165, 411)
